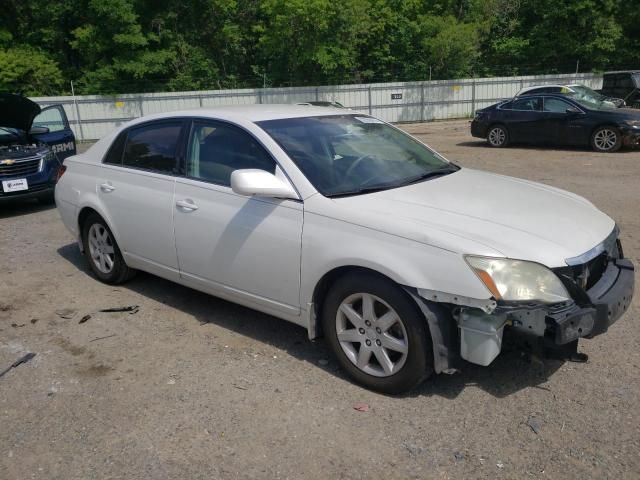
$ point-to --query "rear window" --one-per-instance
(114, 155)
(153, 147)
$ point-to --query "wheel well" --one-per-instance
(84, 213)
(324, 285)
(602, 125)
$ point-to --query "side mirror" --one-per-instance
(38, 130)
(260, 183)
(573, 110)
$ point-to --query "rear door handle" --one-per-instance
(107, 187)
(187, 204)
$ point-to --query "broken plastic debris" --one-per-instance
(24, 359)
(85, 318)
(66, 313)
(131, 309)
(361, 407)
(534, 424)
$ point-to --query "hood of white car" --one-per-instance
(474, 212)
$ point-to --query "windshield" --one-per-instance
(595, 104)
(582, 92)
(351, 154)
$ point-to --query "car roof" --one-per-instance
(533, 87)
(251, 113)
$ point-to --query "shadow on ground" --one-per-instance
(510, 372)
(16, 208)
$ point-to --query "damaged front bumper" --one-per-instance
(631, 137)
(601, 288)
(590, 313)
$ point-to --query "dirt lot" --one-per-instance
(194, 387)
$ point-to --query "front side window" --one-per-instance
(153, 147)
(351, 154)
(636, 79)
(555, 105)
(52, 118)
(533, 104)
(217, 149)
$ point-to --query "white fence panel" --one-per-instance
(92, 117)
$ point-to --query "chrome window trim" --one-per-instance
(607, 245)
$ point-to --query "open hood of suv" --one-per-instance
(17, 111)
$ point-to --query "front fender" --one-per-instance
(328, 244)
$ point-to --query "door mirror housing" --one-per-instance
(38, 130)
(573, 110)
(260, 183)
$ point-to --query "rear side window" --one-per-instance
(114, 155)
(153, 147)
(533, 104)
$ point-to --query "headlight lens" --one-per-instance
(518, 280)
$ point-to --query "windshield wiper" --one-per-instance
(359, 191)
(438, 172)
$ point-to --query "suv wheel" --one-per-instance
(102, 252)
(498, 136)
(377, 333)
(606, 139)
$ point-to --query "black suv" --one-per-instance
(625, 85)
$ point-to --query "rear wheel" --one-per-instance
(102, 252)
(377, 333)
(498, 136)
(606, 139)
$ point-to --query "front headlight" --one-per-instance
(518, 280)
(633, 123)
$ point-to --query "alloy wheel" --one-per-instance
(497, 136)
(372, 335)
(605, 139)
(101, 248)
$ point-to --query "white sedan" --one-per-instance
(351, 228)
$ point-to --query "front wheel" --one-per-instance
(377, 333)
(498, 136)
(102, 252)
(606, 139)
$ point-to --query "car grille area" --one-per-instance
(20, 168)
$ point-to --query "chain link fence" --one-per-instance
(91, 117)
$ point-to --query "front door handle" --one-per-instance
(107, 187)
(187, 204)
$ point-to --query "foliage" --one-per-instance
(143, 45)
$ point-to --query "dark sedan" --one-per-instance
(557, 120)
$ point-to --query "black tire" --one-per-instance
(418, 361)
(606, 139)
(497, 136)
(119, 271)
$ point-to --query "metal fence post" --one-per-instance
(140, 106)
(317, 94)
(370, 110)
(473, 97)
(422, 102)
(78, 119)
(260, 95)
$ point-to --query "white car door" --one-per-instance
(243, 248)
(136, 188)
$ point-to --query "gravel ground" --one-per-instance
(195, 387)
